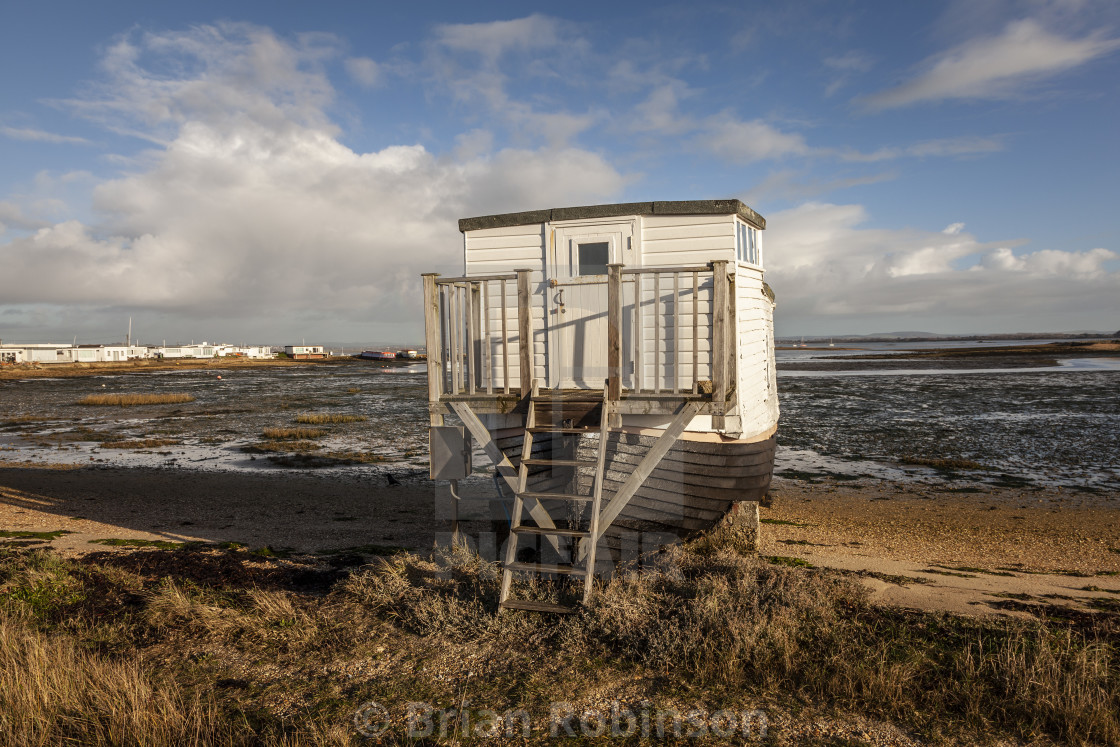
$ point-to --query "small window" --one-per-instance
(593, 258)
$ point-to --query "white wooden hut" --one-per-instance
(616, 363)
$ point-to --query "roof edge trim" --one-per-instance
(673, 207)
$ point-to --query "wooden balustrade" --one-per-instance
(467, 325)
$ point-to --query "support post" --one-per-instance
(525, 330)
(720, 327)
(614, 332)
(433, 345)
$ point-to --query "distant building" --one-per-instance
(10, 355)
(303, 352)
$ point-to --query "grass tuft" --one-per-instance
(293, 434)
(23, 534)
(310, 418)
(132, 400)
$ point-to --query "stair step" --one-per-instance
(532, 606)
(552, 531)
(559, 463)
(556, 497)
(558, 429)
(571, 570)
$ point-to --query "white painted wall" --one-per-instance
(658, 241)
(669, 240)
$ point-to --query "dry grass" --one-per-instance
(310, 418)
(53, 692)
(132, 400)
(293, 662)
(286, 434)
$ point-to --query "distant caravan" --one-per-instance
(616, 362)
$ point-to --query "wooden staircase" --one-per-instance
(582, 563)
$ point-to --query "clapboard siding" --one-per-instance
(757, 386)
(669, 240)
(493, 251)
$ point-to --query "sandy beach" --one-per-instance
(1005, 551)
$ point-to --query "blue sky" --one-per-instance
(275, 171)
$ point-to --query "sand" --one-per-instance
(1001, 551)
(1004, 551)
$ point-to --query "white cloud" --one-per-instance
(24, 133)
(255, 210)
(939, 148)
(364, 71)
(994, 66)
(953, 229)
(475, 63)
(844, 67)
(493, 39)
(746, 142)
(823, 263)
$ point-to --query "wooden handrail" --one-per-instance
(474, 278)
(692, 339)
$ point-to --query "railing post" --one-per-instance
(433, 345)
(525, 330)
(720, 327)
(614, 332)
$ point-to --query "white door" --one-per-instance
(578, 302)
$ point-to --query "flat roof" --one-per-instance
(617, 210)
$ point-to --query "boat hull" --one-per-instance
(691, 490)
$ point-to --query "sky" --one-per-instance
(272, 172)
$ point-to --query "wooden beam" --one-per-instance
(432, 343)
(525, 330)
(502, 464)
(614, 332)
(720, 327)
(656, 452)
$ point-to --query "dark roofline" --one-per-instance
(676, 207)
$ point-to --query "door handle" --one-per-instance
(560, 297)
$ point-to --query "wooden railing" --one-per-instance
(668, 330)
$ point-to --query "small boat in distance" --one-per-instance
(378, 355)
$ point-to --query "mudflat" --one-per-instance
(996, 551)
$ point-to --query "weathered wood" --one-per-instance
(597, 494)
(525, 329)
(676, 332)
(638, 332)
(657, 269)
(731, 355)
(695, 332)
(719, 343)
(505, 343)
(488, 344)
(471, 313)
(432, 343)
(614, 332)
(647, 404)
(657, 332)
(668, 438)
(456, 327)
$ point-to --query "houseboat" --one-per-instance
(616, 363)
(378, 355)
